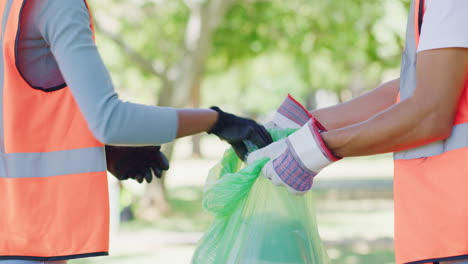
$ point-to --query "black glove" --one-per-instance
(236, 130)
(136, 162)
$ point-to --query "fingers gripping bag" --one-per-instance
(256, 222)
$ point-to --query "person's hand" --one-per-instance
(237, 131)
(291, 114)
(295, 160)
(136, 162)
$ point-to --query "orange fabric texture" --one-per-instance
(37, 121)
(430, 198)
(462, 110)
(56, 216)
(430, 207)
(416, 21)
(59, 216)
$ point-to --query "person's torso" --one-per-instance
(53, 180)
(430, 180)
(35, 58)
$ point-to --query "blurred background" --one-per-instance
(246, 56)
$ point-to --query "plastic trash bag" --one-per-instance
(256, 222)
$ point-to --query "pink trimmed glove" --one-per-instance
(295, 160)
(291, 114)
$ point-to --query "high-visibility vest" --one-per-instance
(430, 185)
(53, 184)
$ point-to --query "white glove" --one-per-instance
(295, 160)
(290, 114)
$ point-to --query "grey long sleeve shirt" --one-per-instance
(56, 47)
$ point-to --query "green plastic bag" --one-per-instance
(255, 221)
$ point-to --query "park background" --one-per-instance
(246, 56)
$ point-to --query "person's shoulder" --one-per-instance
(446, 12)
(63, 9)
(447, 4)
(444, 25)
(57, 18)
(66, 5)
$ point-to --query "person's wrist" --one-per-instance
(317, 131)
(311, 148)
(217, 120)
(290, 114)
(334, 143)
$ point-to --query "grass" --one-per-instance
(187, 214)
(354, 215)
(181, 255)
(354, 211)
(378, 256)
(355, 230)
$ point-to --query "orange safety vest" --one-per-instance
(53, 183)
(431, 201)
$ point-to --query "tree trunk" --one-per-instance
(180, 81)
(311, 103)
(303, 67)
(196, 147)
(196, 102)
(154, 202)
(357, 84)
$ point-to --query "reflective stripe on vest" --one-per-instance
(431, 202)
(55, 163)
(53, 181)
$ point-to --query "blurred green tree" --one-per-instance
(333, 45)
(163, 49)
(167, 40)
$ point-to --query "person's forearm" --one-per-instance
(427, 116)
(65, 26)
(360, 108)
(193, 121)
(406, 125)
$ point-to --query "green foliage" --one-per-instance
(263, 49)
(153, 28)
(376, 256)
(325, 40)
